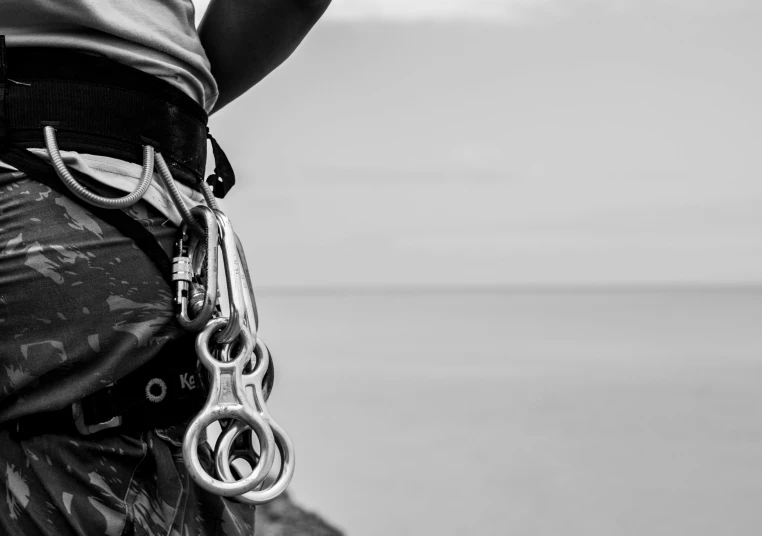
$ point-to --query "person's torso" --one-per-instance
(156, 36)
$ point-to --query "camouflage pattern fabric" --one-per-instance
(80, 307)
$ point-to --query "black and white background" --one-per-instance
(508, 258)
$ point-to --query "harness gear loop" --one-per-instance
(174, 193)
(211, 202)
(51, 144)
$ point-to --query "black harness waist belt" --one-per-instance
(168, 390)
(99, 106)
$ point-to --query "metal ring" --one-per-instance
(51, 144)
(227, 399)
(226, 440)
(223, 461)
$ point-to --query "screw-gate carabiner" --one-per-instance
(227, 399)
(226, 441)
(187, 264)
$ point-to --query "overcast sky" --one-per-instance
(507, 142)
(516, 11)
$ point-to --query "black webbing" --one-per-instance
(172, 377)
(99, 106)
(3, 84)
(40, 171)
(223, 178)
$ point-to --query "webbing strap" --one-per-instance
(40, 171)
(99, 106)
(3, 84)
(167, 390)
(223, 178)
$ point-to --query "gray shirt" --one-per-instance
(156, 36)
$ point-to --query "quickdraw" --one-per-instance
(238, 363)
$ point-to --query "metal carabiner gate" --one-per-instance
(233, 278)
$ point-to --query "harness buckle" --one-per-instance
(90, 429)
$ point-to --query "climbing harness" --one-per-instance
(227, 346)
(237, 364)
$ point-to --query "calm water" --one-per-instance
(523, 413)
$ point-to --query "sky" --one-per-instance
(519, 142)
(516, 11)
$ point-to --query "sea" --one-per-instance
(538, 412)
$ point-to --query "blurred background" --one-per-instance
(508, 256)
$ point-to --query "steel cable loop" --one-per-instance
(211, 201)
(51, 144)
(174, 193)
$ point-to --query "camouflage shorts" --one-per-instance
(80, 307)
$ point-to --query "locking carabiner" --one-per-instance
(188, 266)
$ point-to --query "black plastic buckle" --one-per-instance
(90, 429)
(104, 401)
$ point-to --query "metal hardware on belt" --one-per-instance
(224, 450)
(227, 399)
(196, 259)
(238, 363)
(88, 429)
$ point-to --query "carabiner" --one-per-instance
(251, 319)
(234, 279)
(226, 441)
(227, 400)
(186, 266)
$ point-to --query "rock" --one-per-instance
(282, 517)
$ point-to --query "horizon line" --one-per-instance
(508, 288)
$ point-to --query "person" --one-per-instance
(86, 307)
